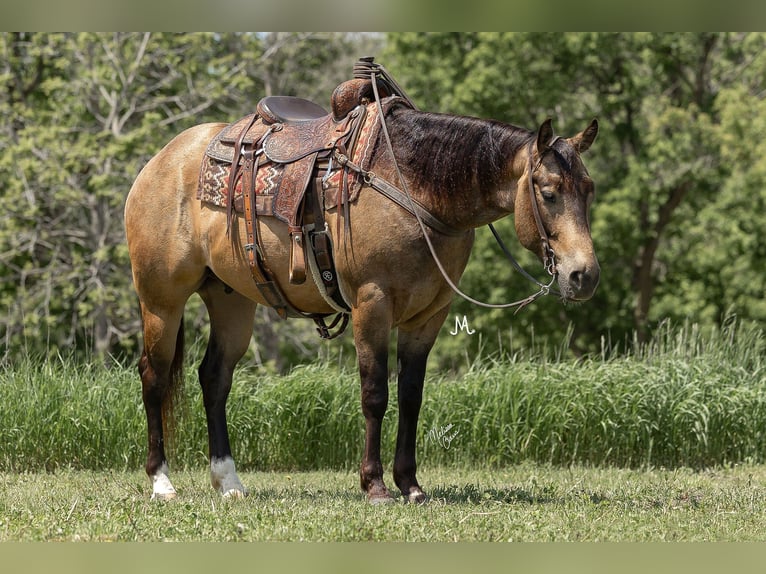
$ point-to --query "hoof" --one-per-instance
(162, 488)
(416, 497)
(234, 494)
(381, 499)
(377, 492)
(163, 496)
(223, 477)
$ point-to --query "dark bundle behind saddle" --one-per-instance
(279, 162)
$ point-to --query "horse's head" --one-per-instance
(551, 206)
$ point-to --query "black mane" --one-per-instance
(443, 152)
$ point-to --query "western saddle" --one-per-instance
(293, 141)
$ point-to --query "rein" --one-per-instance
(549, 257)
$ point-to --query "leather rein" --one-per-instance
(403, 198)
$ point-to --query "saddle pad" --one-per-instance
(361, 152)
(214, 184)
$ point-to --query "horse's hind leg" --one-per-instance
(160, 369)
(413, 348)
(231, 326)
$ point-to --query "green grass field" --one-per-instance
(523, 503)
(665, 443)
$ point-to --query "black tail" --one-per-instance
(173, 392)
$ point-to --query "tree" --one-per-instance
(679, 169)
(80, 124)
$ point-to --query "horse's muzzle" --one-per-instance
(580, 282)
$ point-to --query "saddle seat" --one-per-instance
(288, 109)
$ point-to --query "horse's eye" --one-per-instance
(548, 196)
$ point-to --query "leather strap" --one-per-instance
(235, 172)
(321, 245)
(258, 268)
(549, 257)
(396, 195)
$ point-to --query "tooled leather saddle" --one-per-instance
(278, 162)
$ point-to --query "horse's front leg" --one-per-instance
(372, 325)
(412, 354)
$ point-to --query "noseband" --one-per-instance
(549, 256)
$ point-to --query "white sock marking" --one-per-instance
(162, 488)
(223, 477)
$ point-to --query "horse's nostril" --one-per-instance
(583, 281)
(576, 279)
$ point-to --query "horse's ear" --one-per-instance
(584, 139)
(544, 135)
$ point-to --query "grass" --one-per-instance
(687, 400)
(521, 503)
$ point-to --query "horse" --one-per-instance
(394, 272)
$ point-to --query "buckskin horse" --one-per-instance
(386, 231)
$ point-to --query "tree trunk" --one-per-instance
(643, 276)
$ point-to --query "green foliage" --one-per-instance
(728, 278)
(677, 167)
(85, 112)
(81, 113)
(429, 66)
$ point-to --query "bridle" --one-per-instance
(549, 257)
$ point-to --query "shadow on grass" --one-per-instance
(475, 494)
(310, 494)
(450, 494)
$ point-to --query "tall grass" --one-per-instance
(687, 399)
(56, 412)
